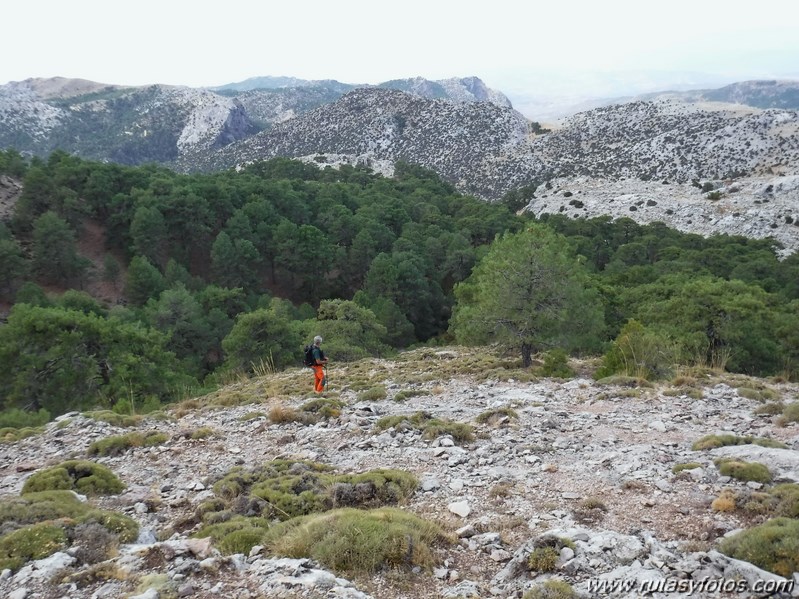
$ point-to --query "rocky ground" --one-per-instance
(754, 207)
(587, 461)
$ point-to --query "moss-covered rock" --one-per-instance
(83, 476)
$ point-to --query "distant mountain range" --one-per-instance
(467, 132)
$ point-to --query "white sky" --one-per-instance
(208, 42)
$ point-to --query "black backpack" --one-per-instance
(308, 359)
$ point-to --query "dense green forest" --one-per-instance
(234, 271)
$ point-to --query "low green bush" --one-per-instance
(284, 489)
(677, 468)
(715, 441)
(790, 413)
(237, 535)
(375, 393)
(551, 589)
(85, 477)
(323, 407)
(746, 471)
(429, 426)
(543, 559)
(556, 364)
(37, 524)
(772, 546)
(119, 444)
(16, 418)
(202, 433)
(120, 420)
(12, 435)
(359, 541)
(787, 495)
(32, 542)
(495, 415)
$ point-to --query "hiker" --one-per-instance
(319, 361)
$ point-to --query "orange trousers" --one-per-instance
(319, 378)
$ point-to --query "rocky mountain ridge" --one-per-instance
(472, 138)
(592, 462)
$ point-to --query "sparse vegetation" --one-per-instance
(247, 499)
(589, 510)
(37, 524)
(429, 426)
(496, 415)
(551, 589)
(85, 477)
(773, 546)
(120, 420)
(324, 407)
(746, 471)
(677, 468)
(789, 414)
(715, 441)
(543, 559)
(359, 541)
(556, 364)
(119, 444)
(375, 393)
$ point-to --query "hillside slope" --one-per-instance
(590, 462)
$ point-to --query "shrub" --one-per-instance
(746, 471)
(237, 535)
(32, 542)
(12, 435)
(551, 589)
(677, 468)
(120, 420)
(406, 394)
(726, 502)
(285, 489)
(429, 426)
(16, 418)
(590, 510)
(495, 415)
(787, 495)
(88, 478)
(31, 517)
(556, 364)
(376, 393)
(790, 414)
(119, 444)
(639, 353)
(772, 408)
(281, 414)
(93, 543)
(202, 433)
(323, 408)
(543, 559)
(773, 546)
(359, 541)
(37, 507)
(715, 441)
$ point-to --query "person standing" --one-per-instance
(319, 362)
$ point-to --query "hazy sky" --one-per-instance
(211, 43)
